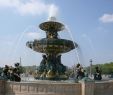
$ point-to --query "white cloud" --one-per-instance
(32, 7)
(107, 18)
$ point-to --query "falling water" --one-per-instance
(90, 44)
(18, 41)
(76, 52)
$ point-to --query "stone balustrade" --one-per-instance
(103, 88)
(26, 88)
(56, 88)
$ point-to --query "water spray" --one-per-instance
(76, 52)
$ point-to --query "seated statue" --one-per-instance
(60, 67)
(15, 76)
(97, 75)
(15, 73)
(12, 73)
(51, 63)
(80, 72)
(42, 66)
(6, 74)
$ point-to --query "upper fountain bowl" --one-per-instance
(52, 25)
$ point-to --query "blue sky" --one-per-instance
(89, 21)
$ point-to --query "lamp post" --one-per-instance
(20, 61)
(91, 67)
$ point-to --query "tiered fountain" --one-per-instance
(51, 68)
(52, 46)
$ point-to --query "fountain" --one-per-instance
(52, 46)
(51, 68)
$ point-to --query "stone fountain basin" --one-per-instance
(52, 45)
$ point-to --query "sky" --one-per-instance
(88, 23)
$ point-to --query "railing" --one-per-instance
(45, 88)
(56, 88)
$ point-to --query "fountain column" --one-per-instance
(51, 66)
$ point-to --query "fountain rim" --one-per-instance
(47, 43)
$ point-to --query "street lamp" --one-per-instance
(91, 67)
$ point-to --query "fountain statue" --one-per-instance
(52, 47)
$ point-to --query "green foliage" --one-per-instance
(30, 69)
(22, 69)
(1, 70)
(106, 68)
